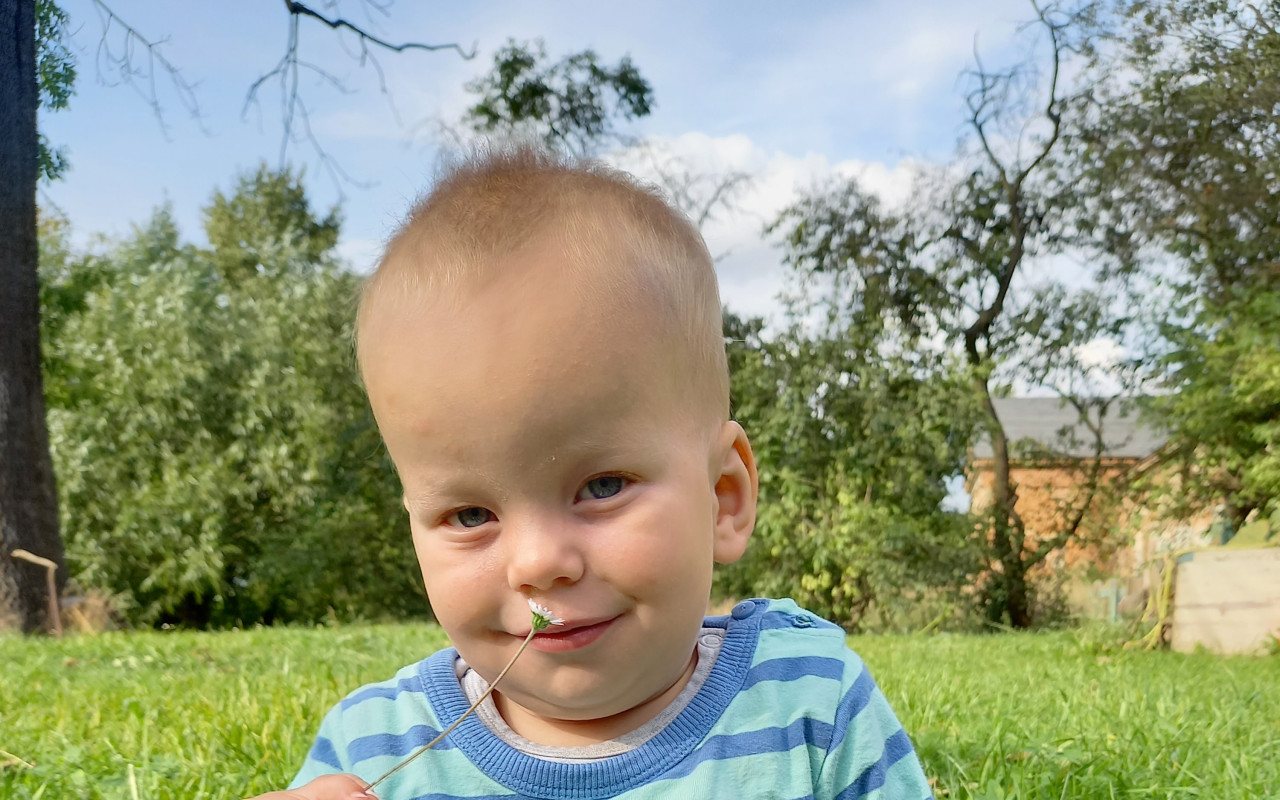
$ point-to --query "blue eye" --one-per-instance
(472, 517)
(603, 487)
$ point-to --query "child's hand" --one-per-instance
(327, 787)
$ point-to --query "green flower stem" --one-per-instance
(532, 632)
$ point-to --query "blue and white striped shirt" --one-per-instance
(788, 711)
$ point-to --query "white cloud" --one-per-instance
(1101, 352)
(750, 267)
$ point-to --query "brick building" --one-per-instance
(1054, 456)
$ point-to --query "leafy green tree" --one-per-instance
(1178, 156)
(962, 273)
(573, 103)
(854, 452)
(1226, 410)
(267, 207)
(55, 77)
(220, 463)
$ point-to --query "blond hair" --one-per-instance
(611, 228)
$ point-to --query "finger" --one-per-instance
(327, 787)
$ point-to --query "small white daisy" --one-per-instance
(542, 619)
(542, 616)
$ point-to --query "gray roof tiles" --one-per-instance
(1050, 427)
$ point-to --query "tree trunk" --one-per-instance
(1007, 525)
(28, 500)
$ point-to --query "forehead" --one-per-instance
(572, 276)
(534, 304)
(539, 347)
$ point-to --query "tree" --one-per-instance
(566, 104)
(267, 205)
(1178, 156)
(962, 272)
(854, 452)
(220, 463)
(28, 515)
(574, 105)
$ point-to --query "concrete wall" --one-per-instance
(1227, 600)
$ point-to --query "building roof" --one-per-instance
(1048, 427)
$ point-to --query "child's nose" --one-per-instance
(541, 553)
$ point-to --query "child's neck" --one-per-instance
(582, 733)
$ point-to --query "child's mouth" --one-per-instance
(554, 641)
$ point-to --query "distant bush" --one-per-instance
(217, 461)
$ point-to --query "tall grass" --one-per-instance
(229, 715)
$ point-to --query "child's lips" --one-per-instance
(572, 636)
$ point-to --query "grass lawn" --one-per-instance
(228, 715)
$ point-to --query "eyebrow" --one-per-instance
(448, 491)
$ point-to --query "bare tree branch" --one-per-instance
(141, 78)
(1261, 19)
(126, 63)
(295, 116)
(338, 23)
(1051, 111)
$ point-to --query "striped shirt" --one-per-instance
(787, 711)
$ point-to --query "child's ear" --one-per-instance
(736, 490)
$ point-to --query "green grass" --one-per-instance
(1061, 716)
(180, 715)
(229, 715)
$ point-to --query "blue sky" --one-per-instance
(791, 93)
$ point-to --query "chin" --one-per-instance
(575, 708)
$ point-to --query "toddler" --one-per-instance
(543, 351)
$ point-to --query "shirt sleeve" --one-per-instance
(870, 755)
(327, 755)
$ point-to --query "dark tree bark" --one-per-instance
(1008, 533)
(28, 500)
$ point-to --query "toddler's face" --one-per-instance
(545, 453)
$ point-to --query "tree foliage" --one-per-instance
(1178, 156)
(219, 462)
(854, 453)
(55, 77)
(964, 272)
(268, 207)
(573, 104)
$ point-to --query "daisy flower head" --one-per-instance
(542, 616)
(542, 619)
